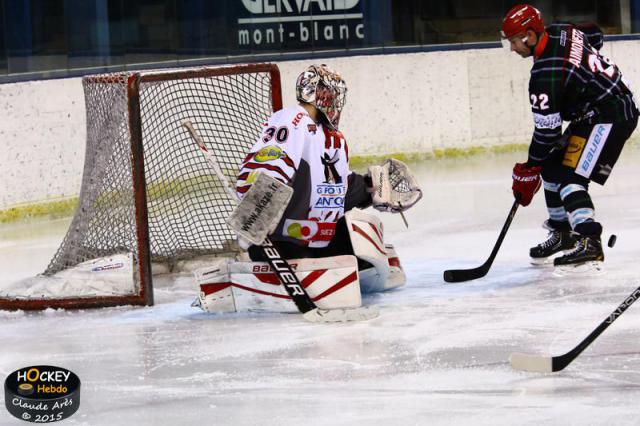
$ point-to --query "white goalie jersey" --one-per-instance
(312, 159)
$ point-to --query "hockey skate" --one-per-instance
(558, 241)
(585, 259)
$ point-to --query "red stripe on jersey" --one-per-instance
(289, 162)
(243, 176)
(254, 166)
(249, 157)
(242, 189)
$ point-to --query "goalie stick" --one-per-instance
(280, 266)
(458, 275)
(549, 364)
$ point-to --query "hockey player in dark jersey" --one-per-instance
(571, 81)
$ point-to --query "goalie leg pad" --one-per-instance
(331, 282)
(397, 276)
(216, 291)
(366, 233)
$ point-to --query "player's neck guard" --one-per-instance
(542, 43)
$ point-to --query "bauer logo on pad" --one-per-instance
(42, 393)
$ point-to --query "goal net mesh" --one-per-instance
(148, 194)
(186, 204)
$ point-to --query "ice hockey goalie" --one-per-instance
(335, 248)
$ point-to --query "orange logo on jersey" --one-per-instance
(574, 151)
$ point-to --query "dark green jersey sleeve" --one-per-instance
(546, 95)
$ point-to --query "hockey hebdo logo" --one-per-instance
(312, 22)
(42, 393)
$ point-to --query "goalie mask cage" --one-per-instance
(147, 193)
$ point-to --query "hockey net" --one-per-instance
(148, 195)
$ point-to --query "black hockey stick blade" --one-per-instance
(550, 364)
(459, 275)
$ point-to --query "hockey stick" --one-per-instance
(280, 266)
(458, 275)
(548, 364)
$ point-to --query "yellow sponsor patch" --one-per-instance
(574, 151)
(251, 178)
(269, 153)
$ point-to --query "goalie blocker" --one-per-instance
(258, 213)
(331, 282)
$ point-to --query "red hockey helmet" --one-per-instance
(521, 18)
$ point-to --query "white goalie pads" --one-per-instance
(228, 285)
(258, 213)
(395, 189)
(233, 286)
(367, 238)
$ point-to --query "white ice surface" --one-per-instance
(437, 355)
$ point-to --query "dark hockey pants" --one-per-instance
(591, 152)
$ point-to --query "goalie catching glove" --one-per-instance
(394, 189)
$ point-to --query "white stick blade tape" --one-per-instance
(528, 362)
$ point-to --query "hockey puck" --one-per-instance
(612, 240)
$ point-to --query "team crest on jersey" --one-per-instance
(269, 153)
(331, 174)
(312, 128)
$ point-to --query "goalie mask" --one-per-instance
(323, 88)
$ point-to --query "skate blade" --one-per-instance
(546, 261)
(587, 269)
(541, 261)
